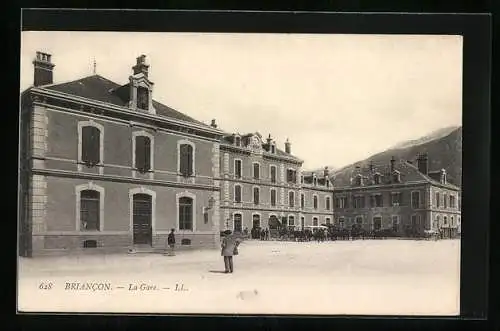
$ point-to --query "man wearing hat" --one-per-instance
(229, 247)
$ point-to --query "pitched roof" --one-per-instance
(98, 88)
(408, 172)
(228, 139)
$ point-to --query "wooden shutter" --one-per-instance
(86, 143)
(139, 153)
(147, 153)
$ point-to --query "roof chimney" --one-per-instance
(393, 162)
(43, 74)
(422, 163)
(326, 172)
(141, 66)
(213, 124)
(287, 146)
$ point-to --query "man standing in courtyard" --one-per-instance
(171, 243)
(229, 247)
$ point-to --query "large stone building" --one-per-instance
(402, 196)
(105, 166)
(263, 185)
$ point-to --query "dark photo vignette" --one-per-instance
(475, 30)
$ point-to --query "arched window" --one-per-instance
(185, 213)
(315, 202)
(291, 220)
(291, 199)
(186, 165)
(445, 220)
(376, 179)
(91, 145)
(142, 153)
(327, 203)
(237, 193)
(90, 210)
(315, 221)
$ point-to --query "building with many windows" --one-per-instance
(263, 186)
(401, 196)
(105, 166)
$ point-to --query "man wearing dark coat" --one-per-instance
(171, 243)
(229, 246)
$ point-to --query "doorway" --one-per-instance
(142, 212)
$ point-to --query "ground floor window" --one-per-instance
(237, 222)
(185, 213)
(377, 223)
(90, 210)
(315, 221)
(395, 223)
(256, 221)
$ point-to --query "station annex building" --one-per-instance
(103, 166)
(401, 195)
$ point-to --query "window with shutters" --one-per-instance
(291, 176)
(237, 193)
(302, 200)
(237, 168)
(291, 199)
(91, 145)
(142, 98)
(273, 174)
(415, 200)
(273, 197)
(327, 203)
(90, 210)
(438, 200)
(143, 153)
(445, 201)
(256, 171)
(185, 213)
(256, 195)
(315, 202)
(186, 165)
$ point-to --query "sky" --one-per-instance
(337, 98)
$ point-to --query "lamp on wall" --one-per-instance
(211, 202)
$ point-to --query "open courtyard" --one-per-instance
(362, 277)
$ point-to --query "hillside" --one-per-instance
(444, 152)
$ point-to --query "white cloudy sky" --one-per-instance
(338, 98)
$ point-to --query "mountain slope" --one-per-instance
(427, 138)
(443, 152)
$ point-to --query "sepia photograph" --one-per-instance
(240, 173)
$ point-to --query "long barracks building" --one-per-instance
(104, 167)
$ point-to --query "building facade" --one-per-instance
(103, 166)
(263, 186)
(400, 196)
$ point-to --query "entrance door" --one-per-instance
(377, 223)
(142, 211)
(237, 223)
(256, 221)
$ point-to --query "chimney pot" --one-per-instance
(43, 69)
(213, 124)
(287, 146)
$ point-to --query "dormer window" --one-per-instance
(142, 98)
(359, 180)
(273, 149)
(237, 141)
(396, 176)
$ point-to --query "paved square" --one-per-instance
(344, 277)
